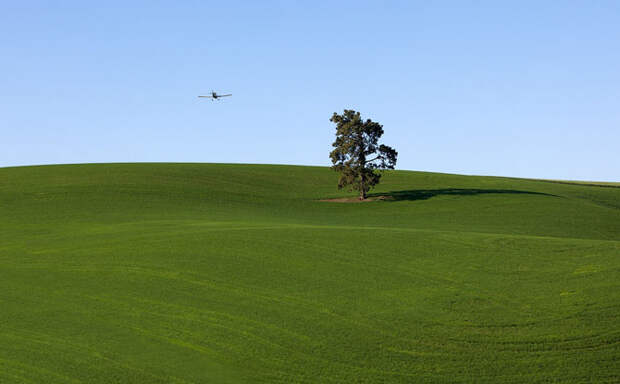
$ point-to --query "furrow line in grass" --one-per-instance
(217, 356)
(153, 335)
(20, 378)
(433, 278)
(223, 315)
(238, 226)
(553, 344)
(17, 371)
(353, 261)
(217, 227)
(260, 339)
(315, 304)
(270, 297)
(44, 371)
(474, 233)
(212, 322)
(203, 350)
(76, 348)
(237, 289)
(250, 291)
(305, 355)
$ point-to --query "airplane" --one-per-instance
(215, 96)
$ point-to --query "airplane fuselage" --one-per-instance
(215, 96)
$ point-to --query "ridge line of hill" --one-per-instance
(588, 183)
(602, 184)
(269, 226)
(498, 234)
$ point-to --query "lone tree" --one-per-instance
(357, 155)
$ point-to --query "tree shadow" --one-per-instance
(424, 194)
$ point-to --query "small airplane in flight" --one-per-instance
(215, 96)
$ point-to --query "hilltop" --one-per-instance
(241, 273)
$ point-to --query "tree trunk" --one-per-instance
(362, 190)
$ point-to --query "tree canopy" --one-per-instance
(357, 154)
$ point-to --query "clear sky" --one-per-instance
(520, 88)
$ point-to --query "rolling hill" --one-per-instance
(198, 273)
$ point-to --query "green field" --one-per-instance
(198, 273)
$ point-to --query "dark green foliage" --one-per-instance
(356, 154)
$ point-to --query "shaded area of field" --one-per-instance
(194, 273)
(423, 194)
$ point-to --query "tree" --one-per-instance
(356, 154)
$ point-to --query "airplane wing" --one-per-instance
(208, 97)
(230, 94)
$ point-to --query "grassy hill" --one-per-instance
(194, 273)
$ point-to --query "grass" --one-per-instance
(194, 273)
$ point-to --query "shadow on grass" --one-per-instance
(424, 194)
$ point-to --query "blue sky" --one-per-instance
(522, 88)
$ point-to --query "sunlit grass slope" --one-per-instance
(194, 273)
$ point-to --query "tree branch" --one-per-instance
(368, 161)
